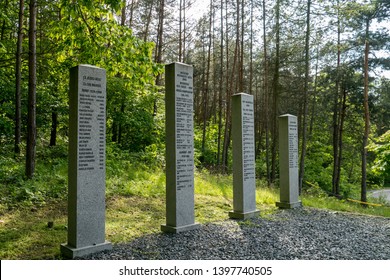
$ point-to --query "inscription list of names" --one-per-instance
(91, 135)
(184, 130)
(293, 143)
(248, 139)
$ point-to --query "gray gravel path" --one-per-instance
(306, 234)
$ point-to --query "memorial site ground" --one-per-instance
(33, 213)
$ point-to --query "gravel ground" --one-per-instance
(305, 233)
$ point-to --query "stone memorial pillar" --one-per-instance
(86, 166)
(179, 148)
(244, 177)
(288, 162)
(179, 130)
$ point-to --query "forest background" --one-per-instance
(322, 61)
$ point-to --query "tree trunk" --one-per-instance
(32, 67)
(180, 30)
(160, 32)
(120, 126)
(215, 73)
(132, 13)
(159, 44)
(335, 179)
(201, 97)
(206, 91)
(276, 93)
(314, 101)
(237, 53)
(266, 95)
(241, 32)
(114, 129)
(340, 144)
(123, 14)
(305, 97)
(220, 105)
(54, 124)
(366, 121)
(148, 20)
(230, 92)
(229, 82)
(259, 124)
(251, 52)
(184, 31)
(18, 80)
(3, 25)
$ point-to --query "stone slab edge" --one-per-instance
(287, 205)
(243, 216)
(171, 229)
(72, 253)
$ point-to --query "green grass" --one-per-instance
(135, 203)
(335, 204)
(24, 233)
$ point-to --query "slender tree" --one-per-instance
(4, 22)
(305, 97)
(314, 97)
(375, 10)
(181, 30)
(250, 49)
(18, 79)
(148, 20)
(32, 82)
(336, 110)
(206, 89)
(123, 13)
(159, 46)
(366, 116)
(241, 36)
(275, 100)
(131, 18)
(229, 89)
(266, 95)
(343, 109)
(220, 97)
(160, 32)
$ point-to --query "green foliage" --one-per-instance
(6, 124)
(127, 174)
(131, 174)
(209, 157)
(319, 162)
(49, 183)
(7, 93)
(261, 164)
(89, 34)
(132, 120)
(154, 155)
(83, 32)
(320, 148)
(381, 106)
(381, 148)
